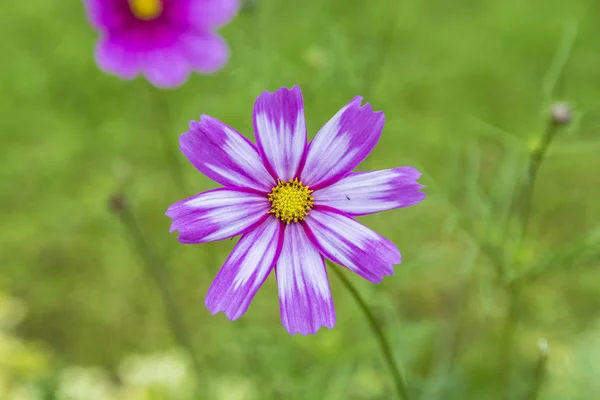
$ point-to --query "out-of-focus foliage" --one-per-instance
(26, 373)
(23, 365)
(465, 86)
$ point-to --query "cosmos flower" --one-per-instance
(293, 203)
(162, 39)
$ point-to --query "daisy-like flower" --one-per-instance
(162, 39)
(293, 203)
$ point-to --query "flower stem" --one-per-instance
(401, 387)
(539, 372)
(535, 161)
(159, 109)
(507, 340)
(160, 275)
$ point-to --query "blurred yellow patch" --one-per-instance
(146, 9)
(369, 382)
(315, 57)
(534, 143)
(234, 388)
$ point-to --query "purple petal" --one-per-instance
(114, 56)
(224, 155)
(204, 13)
(347, 242)
(304, 296)
(107, 14)
(342, 143)
(165, 66)
(206, 53)
(245, 270)
(155, 50)
(280, 131)
(362, 193)
(217, 214)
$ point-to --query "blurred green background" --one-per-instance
(465, 86)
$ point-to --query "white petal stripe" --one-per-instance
(245, 270)
(351, 244)
(304, 295)
(362, 193)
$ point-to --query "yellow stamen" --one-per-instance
(290, 201)
(146, 9)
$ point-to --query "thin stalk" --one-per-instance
(394, 368)
(535, 161)
(521, 205)
(507, 340)
(160, 275)
(161, 117)
(539, 373)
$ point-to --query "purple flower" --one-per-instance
(293, 203)
(162, 39)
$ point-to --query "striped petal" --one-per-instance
(245, 270)
(362, 193)
(342, 143)
(347, 242)
(304, 296)
(217, 214)
(224, 155)
(280, 131)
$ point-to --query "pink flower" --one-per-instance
(293, 203)
(162, 39)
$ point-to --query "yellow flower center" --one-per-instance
(290, 201)
(146, 9)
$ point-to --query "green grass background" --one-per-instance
(465, 88)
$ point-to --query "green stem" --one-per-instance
(401, 387)
(507, 340)
(161, 116)
(535, 161)
(539, 373)
(160, 275)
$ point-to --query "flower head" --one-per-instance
(162, 39)
(293, 203)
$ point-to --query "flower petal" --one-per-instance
(107, 14)
(347, 242)
(165, 66)
(280, 131)
(205, 13)
(206, 53)
(304, 296)
(224, 155)
(245, 270)
(217, 214)
(362, 193)
(342, 143)
(114, 56)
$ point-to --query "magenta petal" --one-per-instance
(362, 193)
(304, 296)
(342, 143)
(245, 270)
(206, 53)
(165, 67)
(280, 131)
(351, 244)
(107, 14)
(114, 56)
(217, 214)
(224, 155)
(205, 13)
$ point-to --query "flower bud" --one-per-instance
(561, 113)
